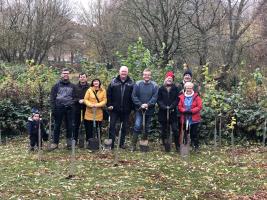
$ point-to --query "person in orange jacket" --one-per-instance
(95, 99)
(190, 105)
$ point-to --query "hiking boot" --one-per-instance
(196, 149)
(134, 142)
(68, 143)
(133, 148)
(31, 149)
(167, 147)
(53, 146)
(122, 146)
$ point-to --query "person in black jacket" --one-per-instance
(62, 100)
(33, 128)
(120, 103)
(168, 100)
(79, 106)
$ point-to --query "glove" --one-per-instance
(188, 112)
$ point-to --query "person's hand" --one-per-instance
(81, 101)
(110, 108)
(144, 106)
(168, 107)
(188, 112)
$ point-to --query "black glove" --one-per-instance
(188, 112)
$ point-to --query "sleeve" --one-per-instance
(181, 107)
(29, 127)
(160, 100)
(103, 100)
(135, 98)
(175, 100)
(53, 96)
(109, 95)
(76, 94)
(198, 108)
(86, 99)
(154, 97)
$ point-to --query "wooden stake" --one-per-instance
(215, 134)
(220, 132)
(264, 134)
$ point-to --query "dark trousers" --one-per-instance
(194, 136)
(77, 122)
(92, 131)
(63, 112)
(124, 119)
(34, 140)
(165, 131)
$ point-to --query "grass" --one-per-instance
(220, 174)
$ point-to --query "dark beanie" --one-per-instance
(188, 72)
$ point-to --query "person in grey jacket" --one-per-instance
(62, 102)
(144, 97)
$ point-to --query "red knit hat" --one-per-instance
(169, 73)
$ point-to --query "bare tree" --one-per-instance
(240, 16)
(160, 23)
(204, 15)
(31, 27)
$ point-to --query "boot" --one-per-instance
(69, 143)
(134, 142)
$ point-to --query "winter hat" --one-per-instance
(35, 111)
(188, 72)
(169, 73)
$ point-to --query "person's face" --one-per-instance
(36, 117)
(169, 80)
(146, 76)
(96, 83)
(189, 90)
(83, 78)
(187, 78)
(123, 73)
(65, 75)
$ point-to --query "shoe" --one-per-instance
(122, 146)
(167, 147)
(133, 148)
(196, 149)
(31, 149)
(53, 147)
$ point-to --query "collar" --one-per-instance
(186, 95)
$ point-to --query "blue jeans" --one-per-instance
(138, 124)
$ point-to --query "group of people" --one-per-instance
(178, 104)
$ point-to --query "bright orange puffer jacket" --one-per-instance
(90, 100)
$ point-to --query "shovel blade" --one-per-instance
(184, 150)
(107, 144)
(144, 146)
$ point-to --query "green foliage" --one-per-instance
(13, 117)
(96, 70)
(244, 103)
(23, 87)
(139, 58)
(153, 175)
